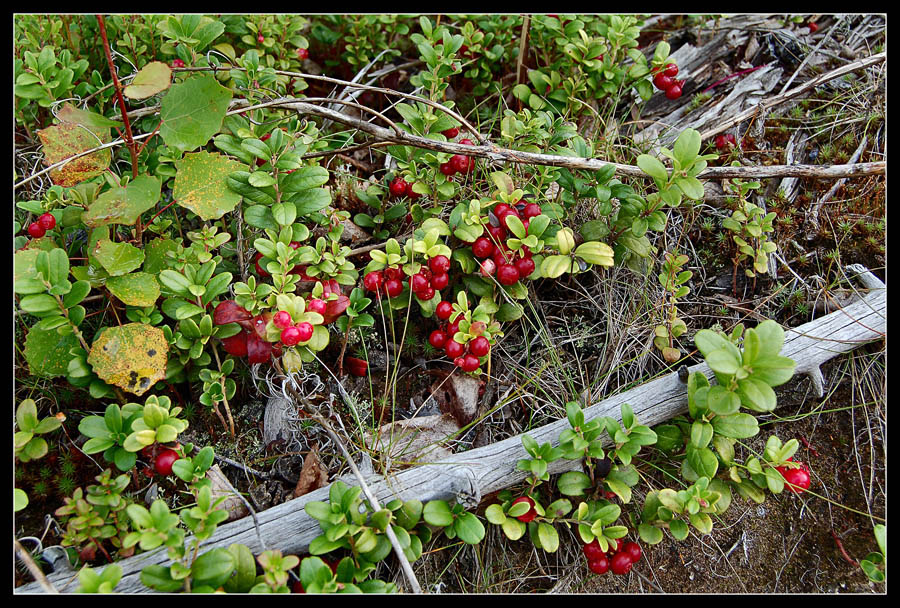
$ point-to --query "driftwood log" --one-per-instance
(467, 476)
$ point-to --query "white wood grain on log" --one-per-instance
(468, 476)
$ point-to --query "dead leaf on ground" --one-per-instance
(457, 395)
(234, 505)
(313, 475)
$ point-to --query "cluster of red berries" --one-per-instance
(458, 163)
(293, 334)
(665, 81)
(466, 356)
(424, 284)
(798, 479)
(177, 63)
(400, 187)
(725, 140)
(42, 225)
(496, 256)
(617, 558)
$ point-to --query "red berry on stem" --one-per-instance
(482, 247)
(302, 54)
(671, 70)
(593, 552)
(316, 305)
(453, 327)
(531, 210)
(453, 348)
(599, 565)
(452, 132)
(525, 266)
(47, 221)
(632, 549)
(398, 187)
(662, 82)
(480, 346)
(393, 272)
(467, 142)
(437, 338)
(620, 563)
(501, 209)
(813, 28)
(418, 283)
(393, 287)
(498, 234)
(530, 514)
(36, 230)
(507, 274)
(426, 294)
(439, 264)
(459, 362)
(447, 169)
(488, 267)
(721, 142)
(305, 331)
(282, 319)
(470, 363)
(164, 461)
(373, 280)
(260, 38)
(439, 281)
(444, 310)
(673, 92)
(460, 163)
(798, 480)
(290, 336)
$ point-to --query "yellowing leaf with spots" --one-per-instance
(135, 288)
(201, 184)
(66, 140)
(132, 357)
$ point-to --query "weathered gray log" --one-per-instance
(468, 476)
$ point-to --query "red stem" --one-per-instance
(843, 551)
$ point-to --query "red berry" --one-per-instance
(721, 142)
(613, 546)
(530, 514)
(316, 305)
(525, 266)
(302, 54)
(393, 287)
(426, 294)
(460, 163)
(593, 552)
(453, 348)
(447, 169)
(177, 63)
(398, 187)
(620, 563)
(164, 461)
(305, 331)
(671, 70)
(470, 363)
(599, 565)
(282, 319)
(444, 310)
(498, 234)
(797, 477)
(236, 345)
(632, 549)
(439, 281)
(260, 38)
(488, 267)
(501, 209)
(531, 210)
(480, 346)
(482, 247)
(373, 280)
(467, 142)
(662, 82)
(418, 283)
(47, 221)
(730, 139)
(437, 338)
(439, 264)
(813, 28)
(393, 272)
(36, 230)
(297, 587)
(507, 274)
(459, 362)
(452, 132)
(512, 212)
(290, 336)
(673, 92)
(453, 326)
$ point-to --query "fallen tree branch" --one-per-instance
(467, 476)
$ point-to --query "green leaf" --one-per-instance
(722, 401)
(652, 167)
(213, 567)
(123, 205)
(135, 289)
(736, 426)
(722, 361)
(573, 483)
(305, 178)
(548, 537)
(702, 460)
(678, 529)
(437, 513)
(773, 370)
(201, 184)
(650, 534)
(192, 112)
(47, 352)
(153, 78)
(469, 528)
(118, 258)
(756, 395)
(687, 146)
